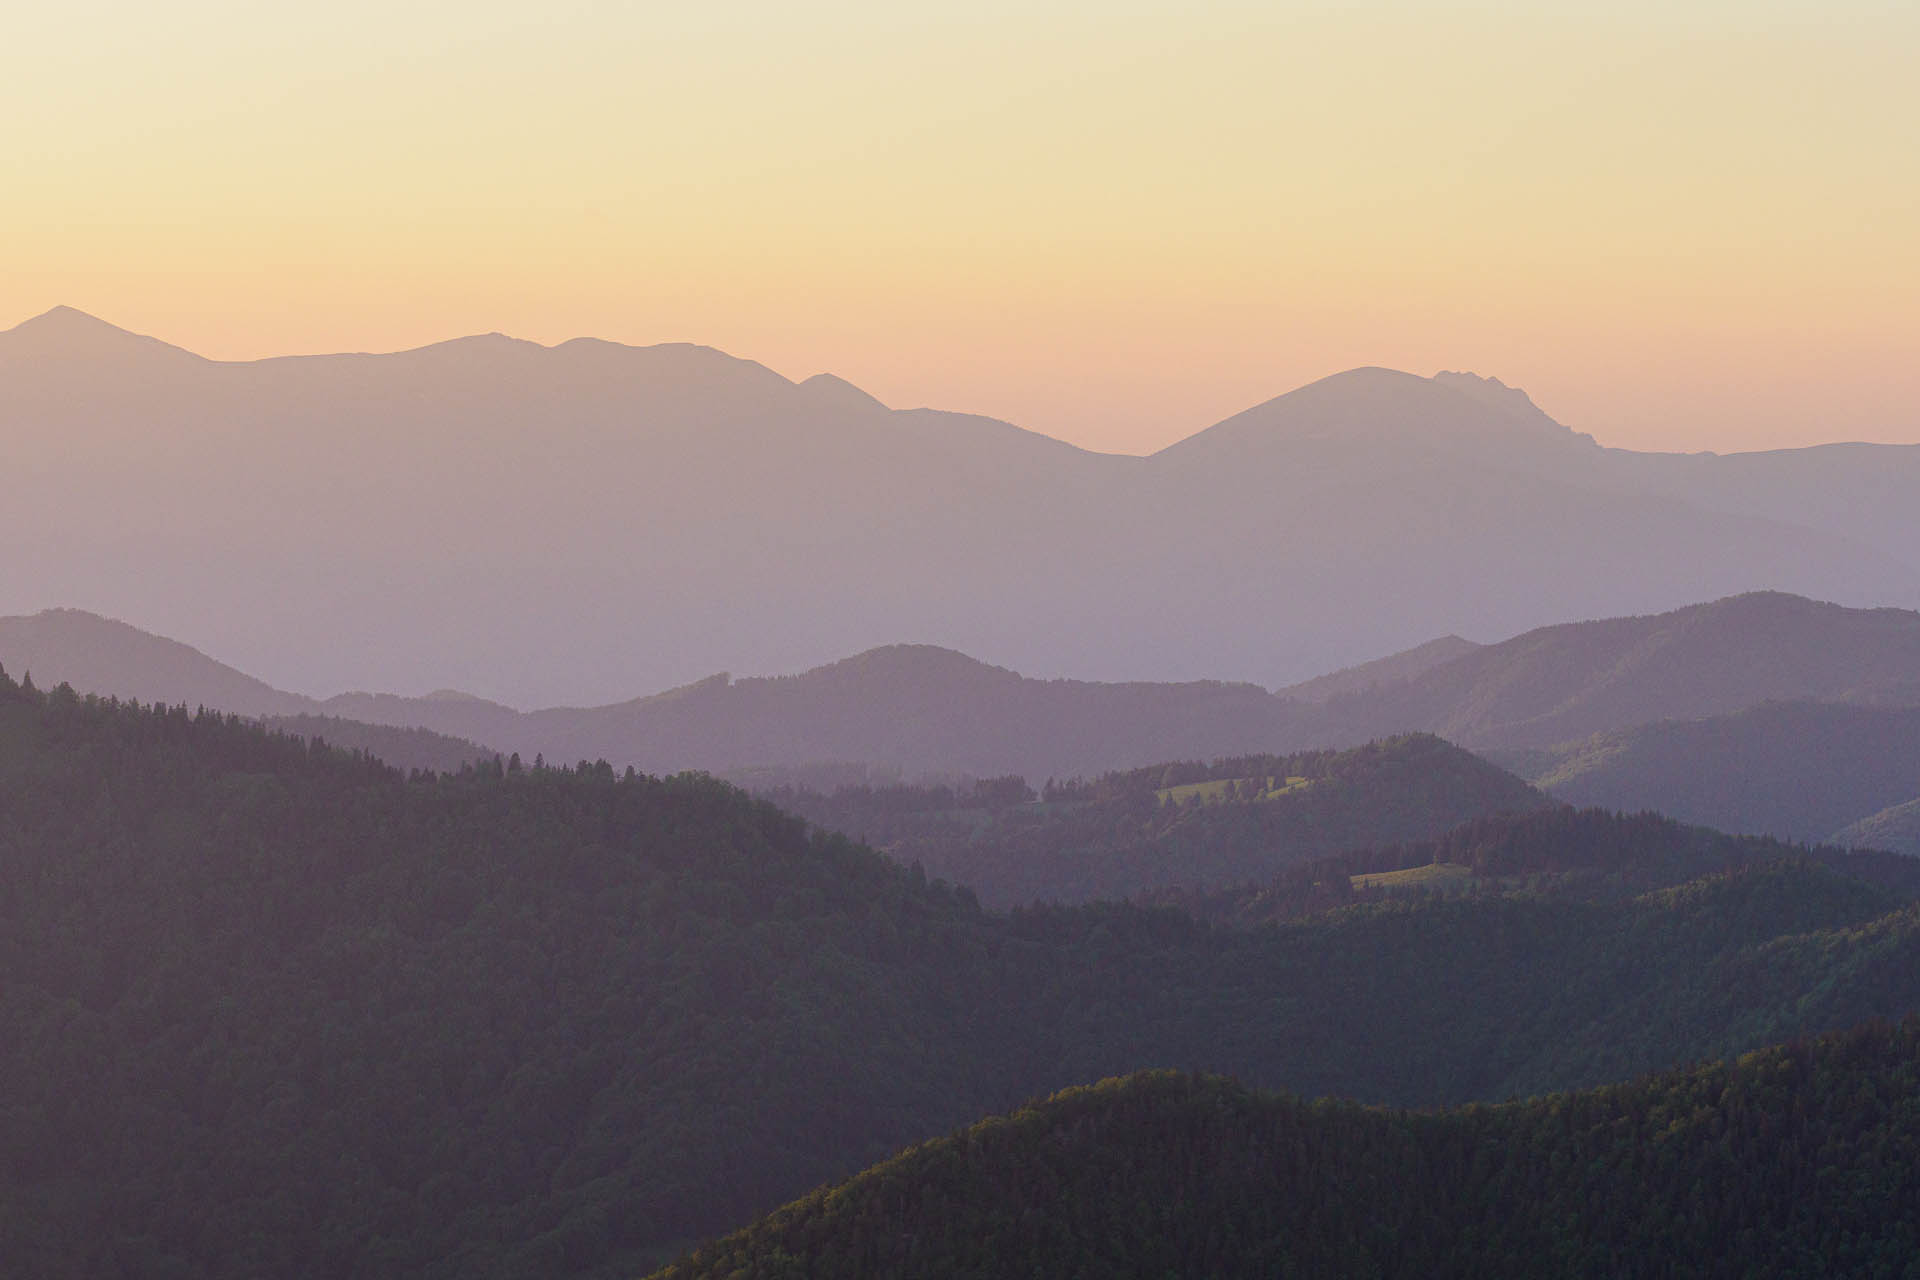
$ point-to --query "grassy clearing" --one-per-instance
(1432, 875)
(1218, 790)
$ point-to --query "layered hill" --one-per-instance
(1566, 682)
(1794, 1161)
(108, 658)
(905, 711)
(1183, 824)
(281, 1010)
(1896, 827)
(1797, 770)
(567, 525)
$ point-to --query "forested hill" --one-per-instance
(1183, 823)
(1796, 770)
(1562, 854)
(1797, 1161)
(275, 1009)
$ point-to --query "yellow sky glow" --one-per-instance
(1114, 223)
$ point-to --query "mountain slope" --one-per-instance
(1799, 771)
(1566, 682)
(108, 657)
(1721, 1170)
(567, 524)
(1896, 827)
(1390, 670)
(1174, 824)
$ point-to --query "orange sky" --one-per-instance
(1114, 223)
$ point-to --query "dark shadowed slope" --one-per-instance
(1800, 771)
(1792, 1162)
(1562, 683)
(568, 524)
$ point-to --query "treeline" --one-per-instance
(1123, 834)
(1797, 1161)
(273, 1008)
(1562, 853)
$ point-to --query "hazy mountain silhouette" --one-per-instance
(108, 657)
(570, 523)
(1384, 672)
(919, 710)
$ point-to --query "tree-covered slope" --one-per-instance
(405, 749)
(273, 1009)
(1896, 828)
(1802, 1160)
(1796, 770)
(1191, 823)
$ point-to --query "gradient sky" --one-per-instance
(1679, 227)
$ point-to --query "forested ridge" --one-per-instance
(1799, 1160)
(1186, 824)
(1559, 853)
(1797, 770)
(274, 1008)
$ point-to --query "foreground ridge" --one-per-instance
(1797, 1160)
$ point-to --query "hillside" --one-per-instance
(1793, 1161)
(1567, 682)
(918, 710)
(292, 1013)
(1556, 854)
(1896, 828)
(1800, 771)
(404, 749)
(1176, 824)
(568, 525)
(108, 657)
(1391, 670)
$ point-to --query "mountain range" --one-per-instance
(564, 525)
(908, 710)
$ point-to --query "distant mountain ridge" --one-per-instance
(1562, 683)
(562, 525)
(921, 710)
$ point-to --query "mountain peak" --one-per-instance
(1373, 407)
(66, 333)
(68, 322)
(838, 393)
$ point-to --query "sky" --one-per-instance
(1679, 226)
